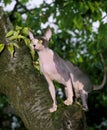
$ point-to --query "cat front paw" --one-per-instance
(53, 109)
(68, 102)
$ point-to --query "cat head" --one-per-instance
(40, 43)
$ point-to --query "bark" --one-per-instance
(28, 93)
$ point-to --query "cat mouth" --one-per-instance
(36, 49)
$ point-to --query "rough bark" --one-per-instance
(28, 93)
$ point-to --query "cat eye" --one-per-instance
(40, 41)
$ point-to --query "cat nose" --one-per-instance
(34, 45)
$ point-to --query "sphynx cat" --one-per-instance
(54, 67)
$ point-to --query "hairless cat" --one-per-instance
(54, 67)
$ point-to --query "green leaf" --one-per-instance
(13, 37)
(25, 31)
(11, 49)
(18, 28)
(1, 47)
(27, 41)
(20, 37)
(78, 22)
(10, 33)
(16, 45)
(80, 59)
(36, 65)
(16, 33)
(18, 16)
(32, 52)
(91, 6)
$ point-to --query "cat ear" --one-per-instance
(31, 36)
(47, 34)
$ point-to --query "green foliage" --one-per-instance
(102, 38)
(14, 36)
(11, 49)
(2, 47)
(24, 1)
(7, 2)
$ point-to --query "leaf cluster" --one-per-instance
(14, 37)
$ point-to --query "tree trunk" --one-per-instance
(28, 93)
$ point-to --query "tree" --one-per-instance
(27, 91)
(74, 22)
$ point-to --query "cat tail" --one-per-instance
(98, 87)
